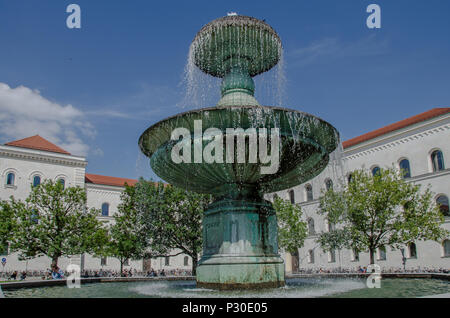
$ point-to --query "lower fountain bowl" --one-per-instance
(235, 273)
(306, 142)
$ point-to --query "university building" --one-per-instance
(29, 161)
(420, 145)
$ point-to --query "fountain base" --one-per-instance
(229, 273)
(240, 246)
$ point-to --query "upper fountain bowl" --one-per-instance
(236, 41)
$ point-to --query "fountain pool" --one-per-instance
(309, 287)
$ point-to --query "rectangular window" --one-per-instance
(331, 256)
(292, 196)
(311, 257)
(103, 261)
(355, 256)
(382, 253)
(167, 260)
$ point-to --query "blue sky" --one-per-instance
(96, 89)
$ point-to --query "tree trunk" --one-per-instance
(121, 267)
(194, 264)
(372, 254)
(54, 261)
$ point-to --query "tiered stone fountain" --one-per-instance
(240, 248)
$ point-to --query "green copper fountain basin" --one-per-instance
(236, 39)
(306, 142)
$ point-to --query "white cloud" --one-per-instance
(332, 49)
(25, 112)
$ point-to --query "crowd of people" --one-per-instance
(57, 273)
(360, 269)
(135, 273)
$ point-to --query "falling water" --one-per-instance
(202, 90)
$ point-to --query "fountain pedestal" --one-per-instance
(240, 249)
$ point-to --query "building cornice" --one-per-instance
(42, 156)
(402, 136)
(103, 187)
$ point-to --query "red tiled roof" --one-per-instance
(38, 143)
(395, 126)
(105, 180)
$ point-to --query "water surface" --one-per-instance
(295, 288)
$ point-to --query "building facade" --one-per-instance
(30, 161)
(420, 144)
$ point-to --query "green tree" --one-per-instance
(172, 218)
(126, 234)
(7, 224)
(55, 221)
(292, 230)
(379, 211)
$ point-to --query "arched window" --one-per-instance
(311, 256)
(349, 177)
(404, 166)
(442, 201)
(375, 171)
(292, 196)
(446, 247)
(437, 160)
(311, 229)
(62, 182)
(328, 184)
(309, 192)
(186, 261)
(36, 181)
(105, 209)
(10, 179)
(412, 249)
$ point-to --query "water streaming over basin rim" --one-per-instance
(305, 144)
(295, 288)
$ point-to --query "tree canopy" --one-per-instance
(378, 211)
(127, 238)
(292, 230)
(172, 218)
(55, 221)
